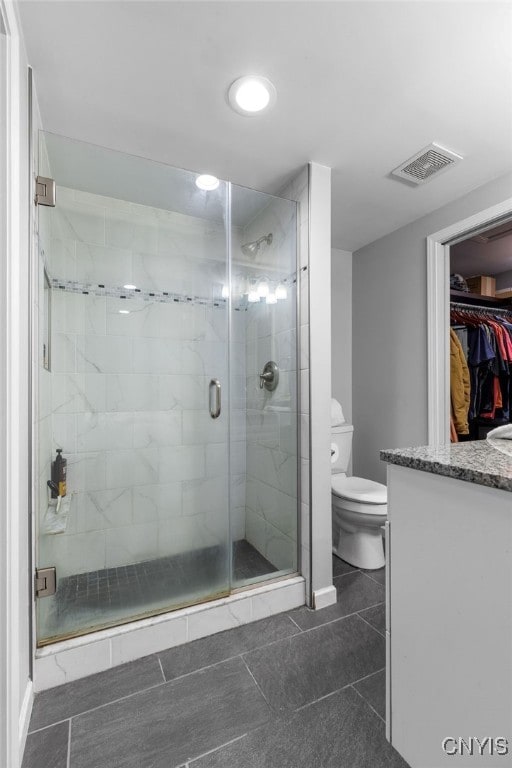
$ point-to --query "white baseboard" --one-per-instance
(25, 713)
(324, 597)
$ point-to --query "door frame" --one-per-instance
(15, 693)
(438, 314)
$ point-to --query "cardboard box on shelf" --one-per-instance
(482, 284)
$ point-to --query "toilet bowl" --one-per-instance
(359, 508)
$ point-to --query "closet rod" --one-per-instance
(478, 308)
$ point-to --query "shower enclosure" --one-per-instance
(167, 373)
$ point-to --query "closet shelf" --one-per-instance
(476, 298)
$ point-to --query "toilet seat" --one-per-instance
(360, 491)
(344, 506)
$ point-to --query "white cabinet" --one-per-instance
(449, 622)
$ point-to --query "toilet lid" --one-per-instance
(359, 489)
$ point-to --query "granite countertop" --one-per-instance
(478, 461)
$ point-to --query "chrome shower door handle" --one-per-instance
(215, 403)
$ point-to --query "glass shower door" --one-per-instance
(133, 386)
(264, 387)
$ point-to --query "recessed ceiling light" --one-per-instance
(129, 287)
(251, 94)
(207, 183)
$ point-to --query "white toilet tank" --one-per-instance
(341, 443)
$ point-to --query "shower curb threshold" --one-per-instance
(79, 657)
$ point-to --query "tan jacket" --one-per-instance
(459, 385)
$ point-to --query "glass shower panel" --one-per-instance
(263, 350)
(134, 358)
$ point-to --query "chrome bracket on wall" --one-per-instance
(45, 582)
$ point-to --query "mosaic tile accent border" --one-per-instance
(168, 297)
(99, 289)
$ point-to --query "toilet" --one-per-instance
(359, 508)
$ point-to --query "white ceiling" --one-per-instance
(361, 87)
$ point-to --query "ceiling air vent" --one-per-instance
(425, 164)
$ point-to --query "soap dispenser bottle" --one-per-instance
(59, 469)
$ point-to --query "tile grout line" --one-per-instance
(362, 679)
(338, 690)
(68, 762)
(368, 704)
(295, 623)
(371, 577)
(215, 749)
(236, 655)
(100, 706)
(161, 668)
(256, 684)
(361, 573)
(321, 698)
(50, 725)
(339, 618)
(348, 573)
(371, 625)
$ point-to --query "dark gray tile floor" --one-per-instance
(297, 690)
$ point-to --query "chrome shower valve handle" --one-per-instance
(270, 376)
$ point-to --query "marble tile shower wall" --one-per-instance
(146, 463)
(271, 507)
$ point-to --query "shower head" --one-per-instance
(251, 249)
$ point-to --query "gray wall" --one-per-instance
(390, 331)
(504, 279)
(341, 329)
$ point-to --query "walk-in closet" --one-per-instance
(481, 333)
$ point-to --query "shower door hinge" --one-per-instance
(45, 191)
(45, 582)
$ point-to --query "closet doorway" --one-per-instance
(477, 247)
(481, 333)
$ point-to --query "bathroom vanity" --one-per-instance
(449, 604)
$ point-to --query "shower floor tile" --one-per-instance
(106, 596)
(265, 695)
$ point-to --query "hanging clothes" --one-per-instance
(459, 385)
(489, 362)
(462, 335)
(481, 360)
